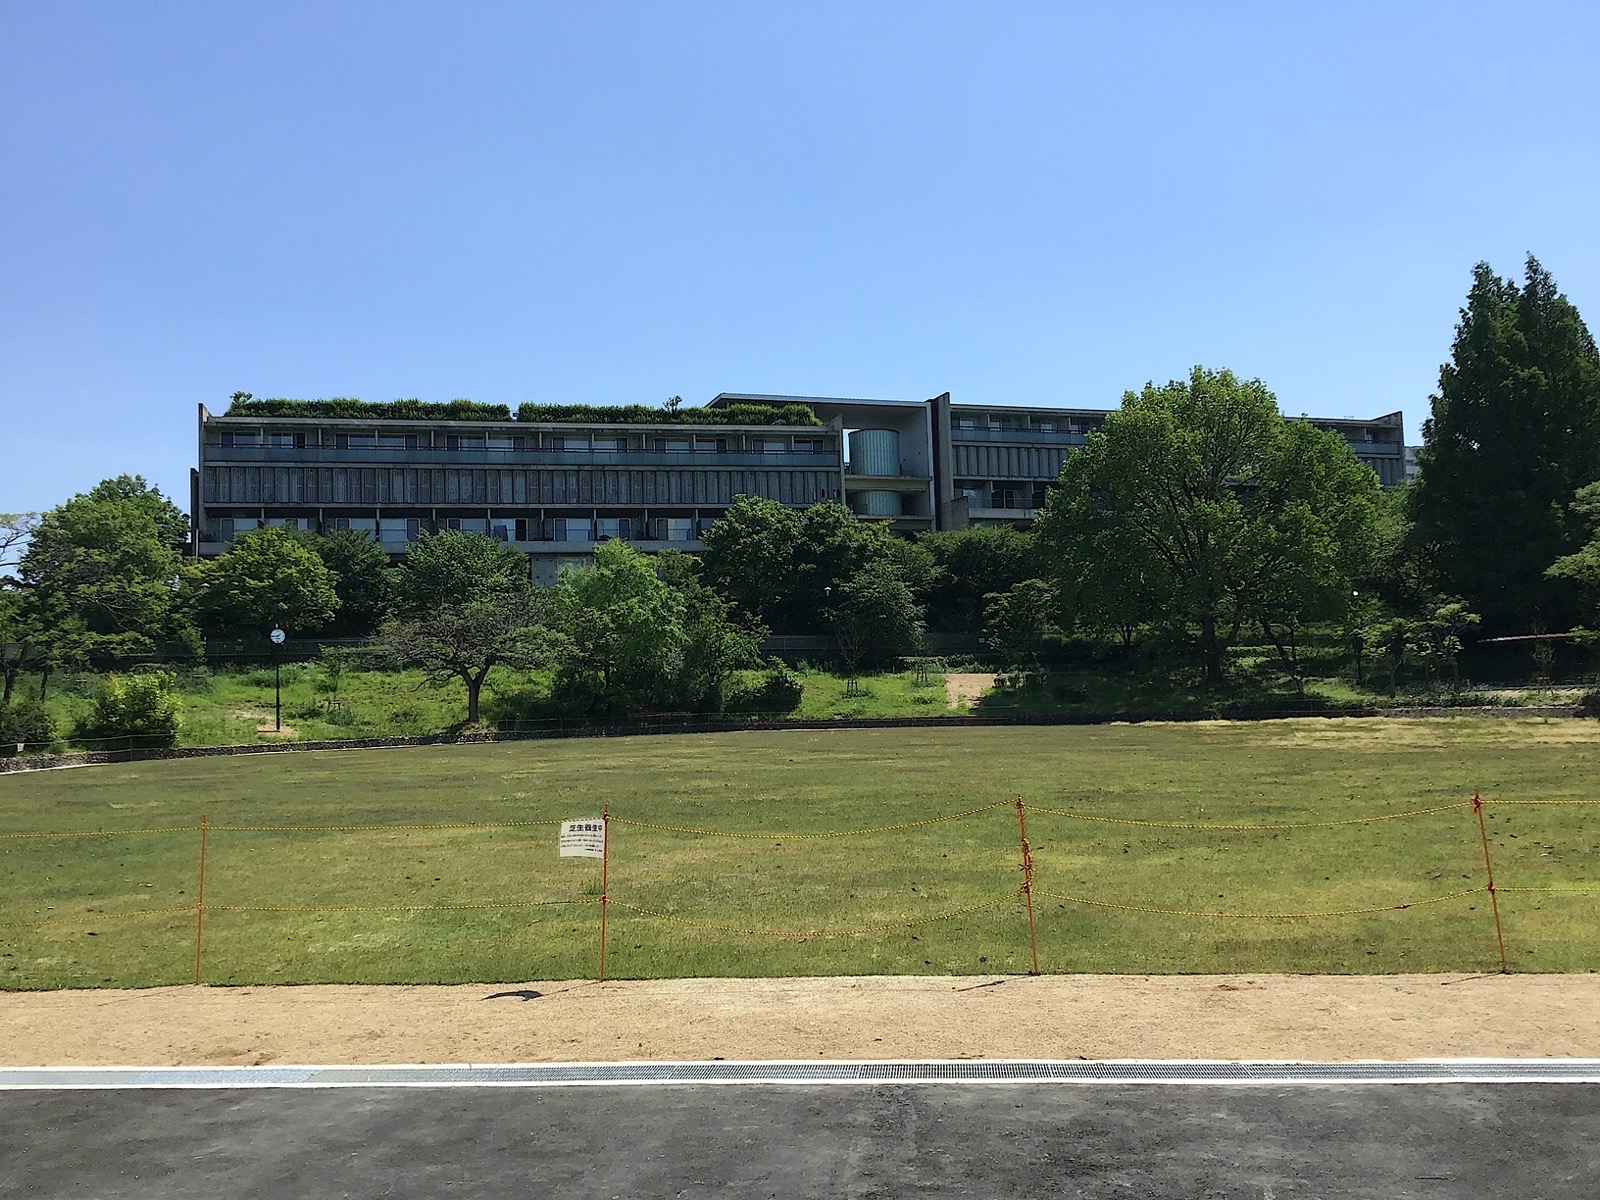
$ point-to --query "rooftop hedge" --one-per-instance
(643, 414)
(348, 408)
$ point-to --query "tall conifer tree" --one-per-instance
(1515, 432)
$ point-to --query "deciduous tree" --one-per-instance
(267, 577)
(1224, 512)
(469, 640)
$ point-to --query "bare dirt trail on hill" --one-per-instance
(1321, 1018)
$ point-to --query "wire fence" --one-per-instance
(1020, 897)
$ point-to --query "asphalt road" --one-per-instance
(1455, 1141)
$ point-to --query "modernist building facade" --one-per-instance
(555, 490)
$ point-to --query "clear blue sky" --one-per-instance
(611, 203)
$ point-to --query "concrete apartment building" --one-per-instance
(554, 490)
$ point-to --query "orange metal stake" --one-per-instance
(605, 863)
(1494, 899)
(1027, 883)
(200, 900)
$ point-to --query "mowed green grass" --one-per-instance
(67, 906)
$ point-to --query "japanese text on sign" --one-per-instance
(583, 839)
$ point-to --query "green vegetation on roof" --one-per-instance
(644, 414)
(349, 408)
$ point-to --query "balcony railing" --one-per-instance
(352, 456)
(1024, 437)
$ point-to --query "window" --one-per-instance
(397, 531)
(359, 524)
(610, 443)
(773, 446)
(501, 441)
(675, 529)
(570, 529)
(356, 441)
(707, 445)
(501, 529)
(571, 443)
(465, 441)
(612, 527)
(672, 443)
(397, 441)
(1045, 426)
(807, 446)
(288, 522)
(296, 441)
(467, 524)
(240, 437)
(966, 423)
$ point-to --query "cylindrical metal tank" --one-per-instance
(874, 452)
(875, 504)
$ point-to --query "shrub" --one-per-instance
(779, 691)
(1589, 704)
(27, 722)
(142, 707)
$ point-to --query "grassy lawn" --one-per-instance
(816, 783)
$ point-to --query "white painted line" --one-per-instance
(810, 1073)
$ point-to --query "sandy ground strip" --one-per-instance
(968, 687)
(1320, 1018)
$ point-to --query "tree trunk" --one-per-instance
(474, 689)
(44, 681)
(1211, 648)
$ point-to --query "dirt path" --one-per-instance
(968, 687)
(1093, 1016)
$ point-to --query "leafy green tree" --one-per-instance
(468, 640)
(1582, 566)
(623, 630)
(718, 644)
(361, 570)
(874, 616)
(1223, 510)
(101, 574)
(1108, 584)
(1515, 432)
(780, 565)
(1020, 621)
(1393, 639)
(970, 565)
(450, 569)
(750, 557)
(1440, 638)
(267, 577)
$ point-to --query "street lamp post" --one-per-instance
(278, 636)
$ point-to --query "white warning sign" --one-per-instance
(583, 839)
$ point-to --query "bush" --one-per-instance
(27, 722)
(142, 707)
(1589, 704)
(779, 691)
